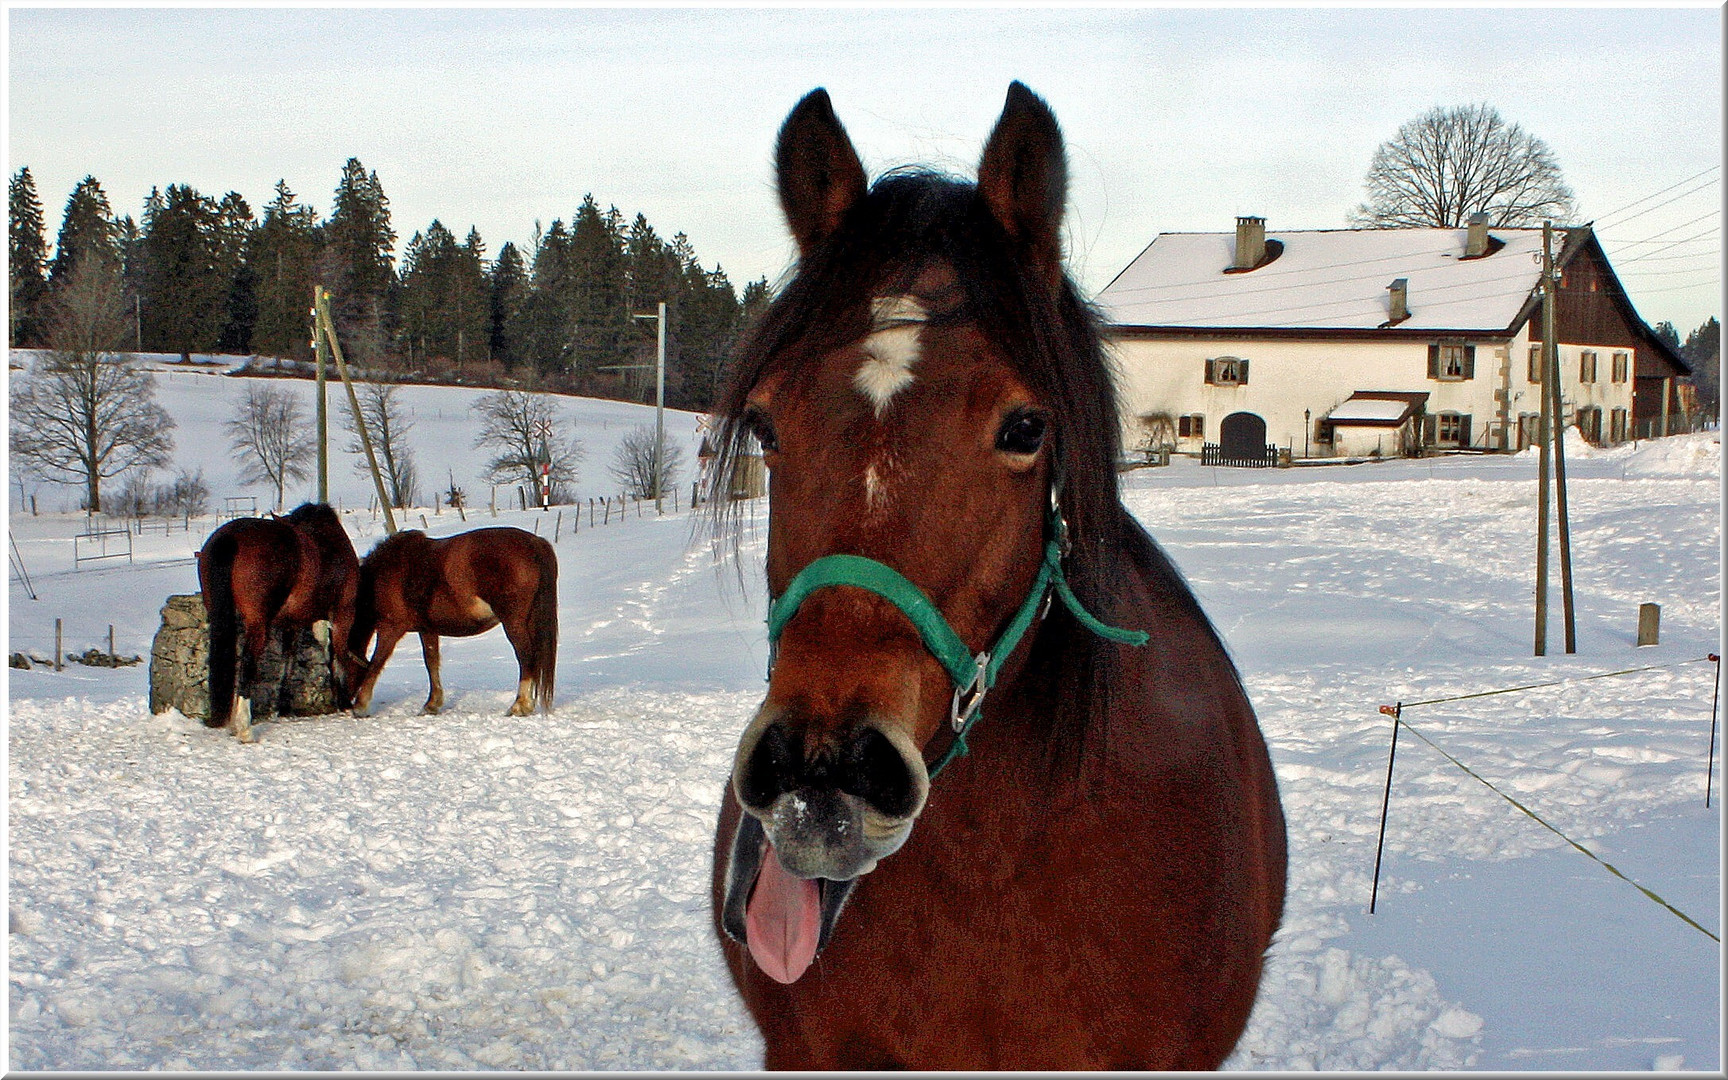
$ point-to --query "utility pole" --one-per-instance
(322, 418)
(1544, 439)
(659, 402)
(1551, 346)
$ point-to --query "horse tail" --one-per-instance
(543, 624)
(216, 577)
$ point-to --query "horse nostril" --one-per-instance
(873, 768)
(770, 769)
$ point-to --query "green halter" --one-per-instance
(973, 675)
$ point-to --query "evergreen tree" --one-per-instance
(446, 305)
(27, 259)
(1703, 353)
(508, 288)
(282, 258)
(598, 318)
(185, 291)
(357, 261)
(234, 227)
(542, 329)
(86, 229)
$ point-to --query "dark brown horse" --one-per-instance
(1092, 879)
(258, 574)
(458, 587)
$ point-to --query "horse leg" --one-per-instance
(388, 636)
(517, 632)
(257, 639)
(429, 650)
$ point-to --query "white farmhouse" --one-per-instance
(1364, 342)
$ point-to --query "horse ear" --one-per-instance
(1023, 179)
(819, 173)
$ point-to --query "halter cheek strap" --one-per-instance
(973, 675)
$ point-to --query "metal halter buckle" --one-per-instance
(961, 715)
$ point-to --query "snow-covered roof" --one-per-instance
(1374, 409)
(1327, 279)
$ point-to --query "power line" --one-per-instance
(1653, 195)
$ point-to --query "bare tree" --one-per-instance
(87, 414)
(388, 422)
(633, 463)
(270, 439)
(521, 427)
(1448, 164)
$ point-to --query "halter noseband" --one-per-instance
(973, 675)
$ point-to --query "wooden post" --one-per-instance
(321, 407)
(57, 639)
(494, 500)
(329, 332)
(1544, 440)
(558, 527)
(1649, 623)
(111, 653)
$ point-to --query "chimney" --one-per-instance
(1400, 301)
(1476, 240)
(1250, 242)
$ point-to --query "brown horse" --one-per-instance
(458, 587)
(1093, 878)
(258, 574)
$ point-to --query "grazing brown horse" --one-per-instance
(978, 821)
(258, 574)
(458, 587)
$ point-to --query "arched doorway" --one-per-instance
(1242, 435)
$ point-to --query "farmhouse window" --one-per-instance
(1535, 364)
(1587, 366)
(1451, 362)
(1621, 367)
(1448, 429)
(1227, 371)
(1192, 426)
(1590, 424)
(1617, 426)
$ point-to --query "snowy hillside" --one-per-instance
(472, 891)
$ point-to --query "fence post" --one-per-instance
(111, 653)
(1397, 713)
(1649, 623)
(558, 527)
(57, 638)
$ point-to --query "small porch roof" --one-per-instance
(1378, 408)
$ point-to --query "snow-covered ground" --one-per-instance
(474, 891)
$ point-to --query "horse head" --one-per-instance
(909, 395)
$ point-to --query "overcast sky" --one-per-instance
(1176, 119)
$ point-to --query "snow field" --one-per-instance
(471, 891)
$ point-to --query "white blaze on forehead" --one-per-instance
(890, 350)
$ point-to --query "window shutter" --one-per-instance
(1211, 374)
(1430, 428)
(1469, 361)
(1242, 372)
(1464, 430)
(1433, 361)
(1199, 426)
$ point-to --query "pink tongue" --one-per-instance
(781, 921)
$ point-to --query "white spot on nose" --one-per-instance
(890, 350)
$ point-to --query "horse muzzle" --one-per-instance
(818, 814)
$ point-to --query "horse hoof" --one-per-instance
(431, 710)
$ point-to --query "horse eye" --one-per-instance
(758, 424)
(1022, 433)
